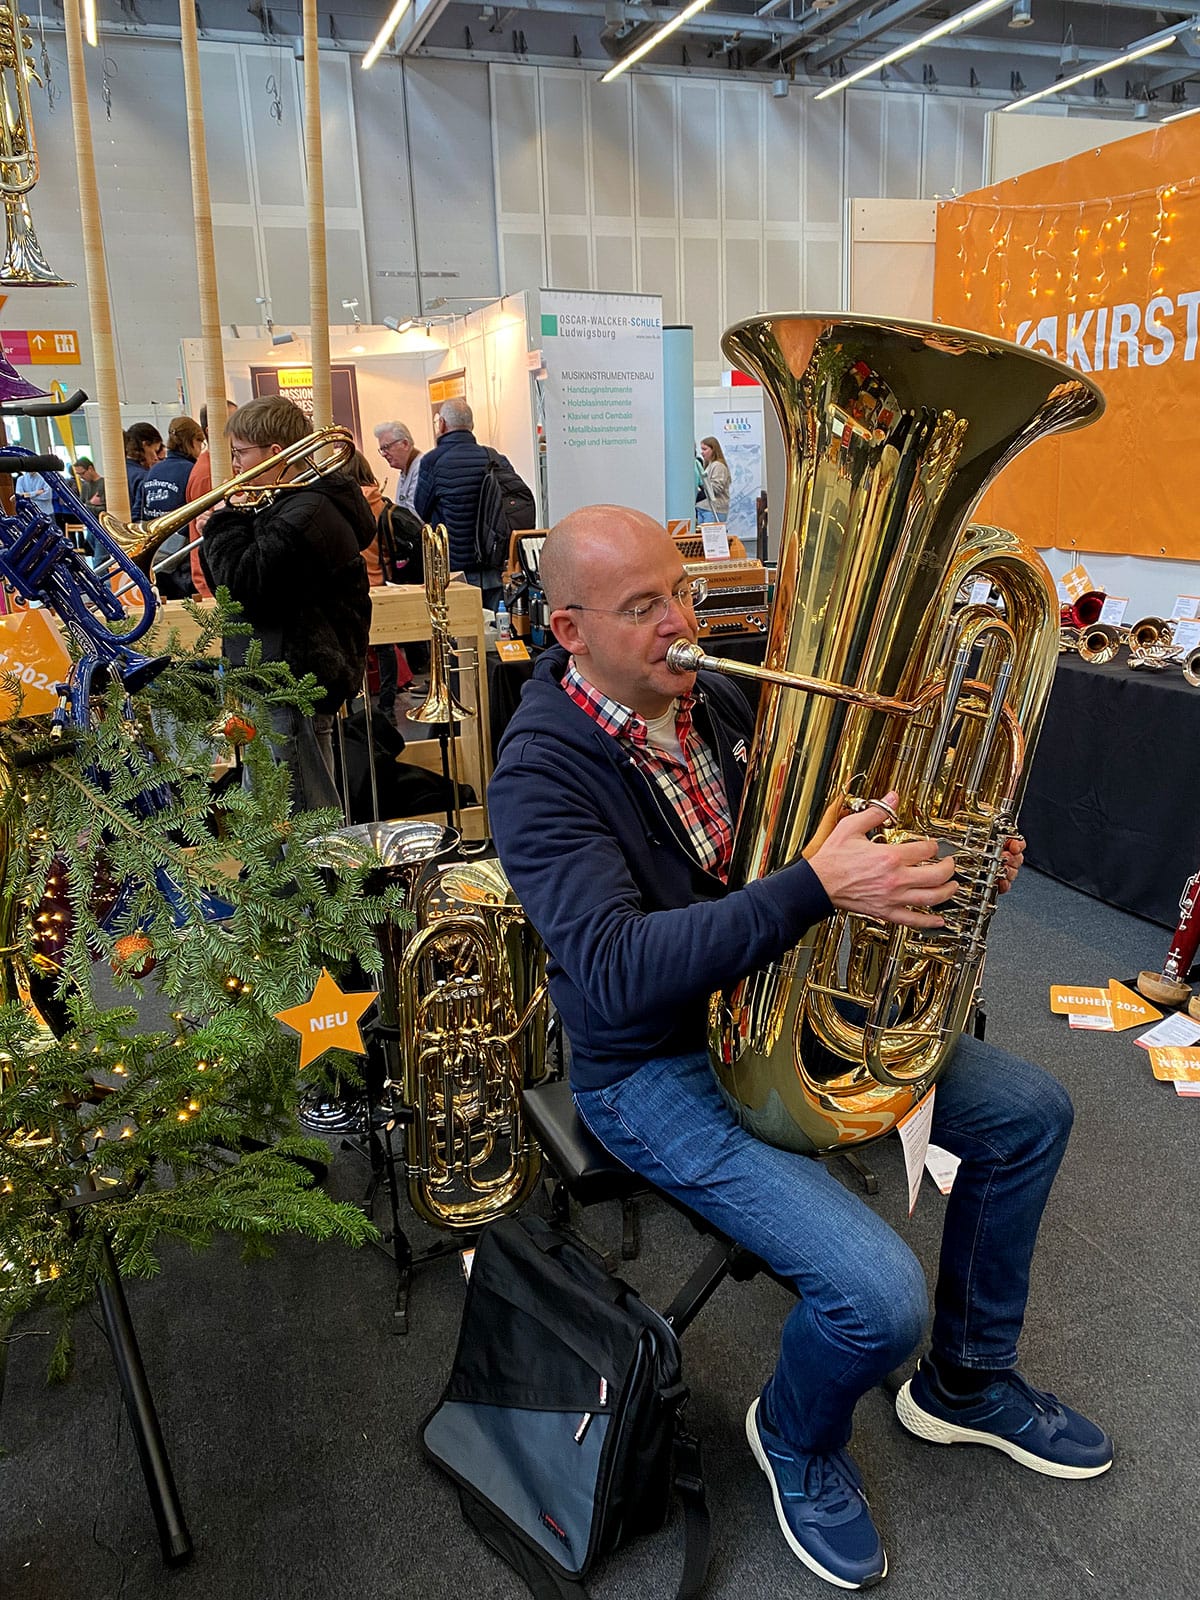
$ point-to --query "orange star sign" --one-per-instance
(328, 1020)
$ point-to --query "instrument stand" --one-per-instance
(174, 1539)
(377, 1149)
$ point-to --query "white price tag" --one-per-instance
(716, 541)
(1093, 1020)
(1187, 635)
(914, 1136)
(1171, 1030)
(942, 1167)
(1113, 610)
(1186, 605)
(981, 591)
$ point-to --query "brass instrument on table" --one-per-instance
(463, 1012)
(1077, 616)
(1098, 642)
(894, 430)
(1191, 668)
(1152, 644)
(23, 264)
(327, 450)
(441, 706)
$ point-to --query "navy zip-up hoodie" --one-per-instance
(639, 934)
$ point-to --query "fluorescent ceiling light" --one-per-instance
(1092, 72)
(1175, 115)
(385, 33)
(89, 21)
(657, 37)
(951, 25)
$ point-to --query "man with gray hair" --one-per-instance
(449, 485)
(401, 454)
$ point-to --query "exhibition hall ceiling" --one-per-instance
(1000, 50)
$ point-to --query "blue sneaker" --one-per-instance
(1011, 1415)
(821, 1508)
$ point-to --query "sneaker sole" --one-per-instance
(797, 1549)
(935, 1430)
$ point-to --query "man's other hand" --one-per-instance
(1013, 856)
(899, 883)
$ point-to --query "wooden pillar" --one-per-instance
(111, 441)
(318, 280)
(206, 267)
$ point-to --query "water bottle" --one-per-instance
(503, 625)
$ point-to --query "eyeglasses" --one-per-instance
(687, 596)
(240, 452)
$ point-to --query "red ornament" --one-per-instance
(128, 949)
(237, 730)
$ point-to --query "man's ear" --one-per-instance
(565, 626)
(274, 449)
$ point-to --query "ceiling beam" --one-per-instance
(871, 29)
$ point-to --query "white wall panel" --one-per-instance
(521, 262)
(741, 151)
(238, 275)
(450, 129)
(943, 131)
(276, 135)
(516, 135)
(658, 272)
(823, 148)
(783, 275)
(743, 287)
(783, 196)
(901, 144)
(823, 275)
(865, 112)
(614, 263)
(610, 108)
(699, 140)
(654, 140)
(702, 301)
(224, 125)
(381, 132)
(565, 143)
(570, 266)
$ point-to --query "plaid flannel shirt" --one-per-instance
(693, 788)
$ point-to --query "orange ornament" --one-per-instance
(127, 950)
(237, 730)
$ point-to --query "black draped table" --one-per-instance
(1111, 806)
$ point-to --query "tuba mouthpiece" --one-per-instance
(683, 656)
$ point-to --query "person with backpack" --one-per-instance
(479, 496)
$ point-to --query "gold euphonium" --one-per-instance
(893, 432)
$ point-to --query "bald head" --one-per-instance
(594, 548)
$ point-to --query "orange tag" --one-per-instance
(1175, 1063)
(1129, 1010)
(1078, 581)
(1069, 1001)
(31, 647)
(512, 650)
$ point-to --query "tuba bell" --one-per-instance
(24, 264)
(893, 432)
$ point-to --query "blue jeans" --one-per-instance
(863, 1302)
(304, 745)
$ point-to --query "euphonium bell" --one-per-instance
(893, 431)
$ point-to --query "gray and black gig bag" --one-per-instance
(560, 1422)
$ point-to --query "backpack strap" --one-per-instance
(688, 1480)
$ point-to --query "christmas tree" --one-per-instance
(121, 861)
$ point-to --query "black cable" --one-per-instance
(111, 1475)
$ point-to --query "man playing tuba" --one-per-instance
(612, 805)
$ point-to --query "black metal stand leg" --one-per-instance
(173, 1535)
(867, 1174)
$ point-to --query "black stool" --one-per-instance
(578, 1167)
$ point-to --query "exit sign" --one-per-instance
(41, 347)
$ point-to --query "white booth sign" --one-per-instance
(603, 391)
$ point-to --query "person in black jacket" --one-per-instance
(295, 566)
(612, 806)
(164, 488)
(449, 481)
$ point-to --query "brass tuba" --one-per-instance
(893, 432)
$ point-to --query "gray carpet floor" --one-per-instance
(291, 1410)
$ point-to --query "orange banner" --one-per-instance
(1095, 260)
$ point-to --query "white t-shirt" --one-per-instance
(662, 734)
